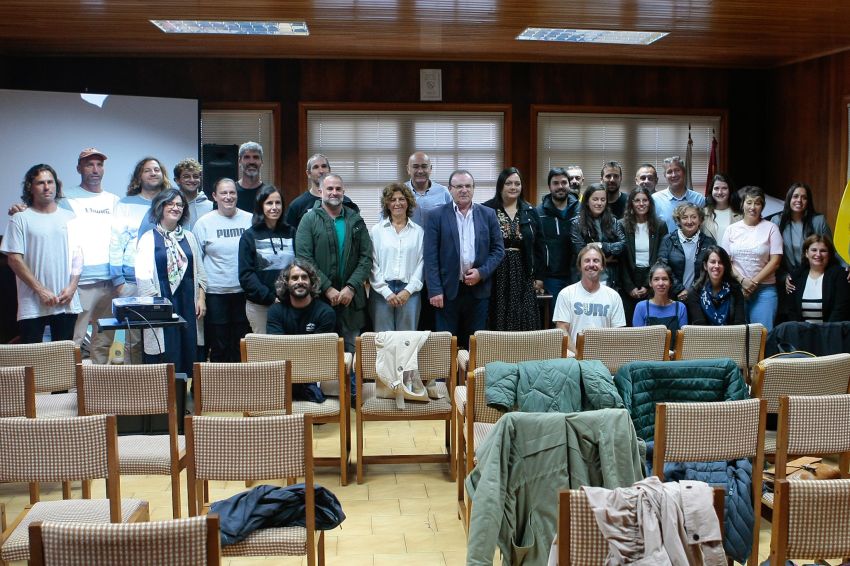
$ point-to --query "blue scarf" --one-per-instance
(716, 307)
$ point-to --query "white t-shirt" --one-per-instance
(750, 247)
(580, 309)
(218, 237)
(42, 239)
(94, 214)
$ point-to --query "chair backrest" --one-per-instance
(17, 392)
(707, 432)
(813, 426)
(615, 347)
(245, 387)
(145, 389)
(580, 542)
(259, 448)
(827, 375)
(477, 398)
(179, 542)
(492, 346)
(53, 362)
(437, 358)
(709, 342)
(810, 518)
(314, 357)
(61, 449)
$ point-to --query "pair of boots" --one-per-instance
(409, 388)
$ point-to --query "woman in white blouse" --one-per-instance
(396, 278)
(722, 207)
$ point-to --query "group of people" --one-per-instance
(674, 257)
(435, 259)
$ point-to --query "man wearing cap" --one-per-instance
(94, 208)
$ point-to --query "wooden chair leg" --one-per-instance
(175, 495)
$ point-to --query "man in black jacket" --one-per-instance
(556, 213)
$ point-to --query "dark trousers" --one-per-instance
(225, 324)
(462, 316)
(61, 328)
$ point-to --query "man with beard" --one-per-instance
(556, 213)
(588, 303)
(297, 312)
(676, 193)
(647, 177)
(575, 176)
(187, 176)
(612, 176)
(334, 238)
(318, 167)
(250, 180)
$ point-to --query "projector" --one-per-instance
(142, 309)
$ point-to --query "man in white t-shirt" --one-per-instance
(39, 253)
(93, 207)
(588, 303)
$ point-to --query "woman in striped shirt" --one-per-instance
(821, 291)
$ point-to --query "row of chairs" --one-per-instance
(217, 449)
(811, 519)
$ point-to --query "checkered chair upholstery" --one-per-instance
(707, 432)
(773, 377)
(709, 342)
(48, 450)
(138, 390)
(313, 358)
(17, 392)
(580, 542)
(811, 426)
(488, 346)
(260, 448)
(437, 360)
(249, 387)
(182, 542)
(53, 363)
(615, 347)
(811, 519)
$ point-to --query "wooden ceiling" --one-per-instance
(723, 33)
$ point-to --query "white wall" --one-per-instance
(53, 127)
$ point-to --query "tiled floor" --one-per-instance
(402, 515)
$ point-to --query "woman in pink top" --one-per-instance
(755, 246)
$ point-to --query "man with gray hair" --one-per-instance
(318, 167)
(675, 194)
(250, 179)
(575, 176)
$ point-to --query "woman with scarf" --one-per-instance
(684, 249)
(168, 265)
(716, 298)
(264, 249)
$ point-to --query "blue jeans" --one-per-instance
(553, 286)
(462, 316)
(386, 317)
(761, 305)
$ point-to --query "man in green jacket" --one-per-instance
(335, 239)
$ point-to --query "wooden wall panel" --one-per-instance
(288, 82)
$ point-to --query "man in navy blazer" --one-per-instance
(463, 247)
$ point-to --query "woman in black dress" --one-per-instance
(512, 304)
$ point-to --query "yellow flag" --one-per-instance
(842, 226)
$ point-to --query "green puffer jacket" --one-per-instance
(643, 384)
(563, 385)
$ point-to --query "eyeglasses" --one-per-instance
(467, 187)
(177, 205)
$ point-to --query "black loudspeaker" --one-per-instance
(219, 161)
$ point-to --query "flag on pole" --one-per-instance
(842, 226)
(712, 164)
(689, 159)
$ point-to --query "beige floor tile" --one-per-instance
(350, 560)
(454, 557)
(408, 490)
(427, 542)
(421, 559)
(385, 543)
(421, 523)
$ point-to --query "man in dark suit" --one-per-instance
(463, 247)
